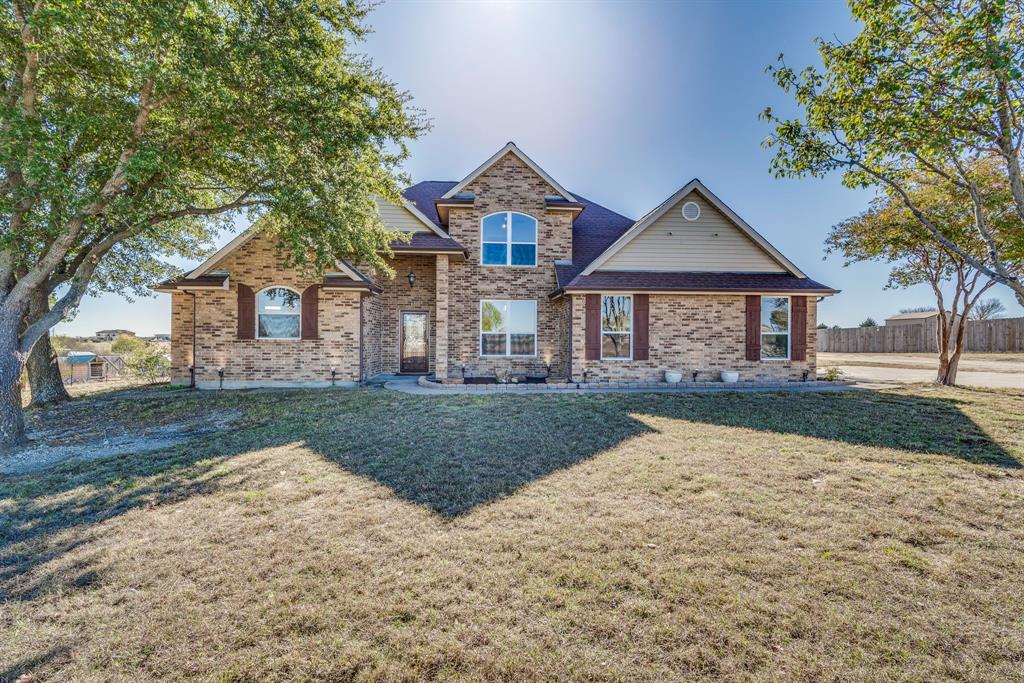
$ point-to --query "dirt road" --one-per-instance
(995, 370)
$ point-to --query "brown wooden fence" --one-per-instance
(992, 336)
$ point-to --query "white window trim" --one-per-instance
(508, 243)
(789, 328)
(508, 335)
(604, 332)
(257, 320)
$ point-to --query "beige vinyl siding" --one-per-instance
(712, 243)
(399, 218)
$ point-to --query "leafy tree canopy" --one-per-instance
(132, 130)
(932, 86)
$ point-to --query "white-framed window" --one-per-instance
(508, 328)
(617, 326)
(508, 238)
(278, 313)
(775, 316)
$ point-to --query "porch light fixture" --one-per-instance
(412, 278)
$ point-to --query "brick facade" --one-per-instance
(397, 296)
(704, 332)
(508, 185)
(249, 362)
(359, 332)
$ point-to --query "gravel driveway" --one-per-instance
(991, 370)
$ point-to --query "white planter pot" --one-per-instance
(730, 377)
(673, 377)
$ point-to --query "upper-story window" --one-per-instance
(278, 313)
(508, 239)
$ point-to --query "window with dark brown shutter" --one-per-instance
(641, 326)
(310, 312)
(798, 324)
(593, 326)
(754, 327)
(246, 312)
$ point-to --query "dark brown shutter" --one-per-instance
(798, 319)
(246, 312)
(310, 312)
(641, 326)
(754, 327)
(593, 325)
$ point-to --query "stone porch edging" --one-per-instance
(425, 386)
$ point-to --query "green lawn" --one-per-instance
(372, 535)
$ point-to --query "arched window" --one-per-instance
(278, 313)
(508, 239)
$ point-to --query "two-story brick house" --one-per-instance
(506, 269)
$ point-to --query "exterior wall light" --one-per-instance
(412, 278)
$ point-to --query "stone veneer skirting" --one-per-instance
(526, 388)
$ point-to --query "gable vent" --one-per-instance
(691, 211)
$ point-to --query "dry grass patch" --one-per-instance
(373, 535)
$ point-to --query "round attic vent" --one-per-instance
(691, 211)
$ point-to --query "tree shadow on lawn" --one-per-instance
(455, 454)
(450, 454)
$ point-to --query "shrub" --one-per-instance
(148, 364)
(832, 374)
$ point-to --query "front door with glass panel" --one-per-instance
(413, 343)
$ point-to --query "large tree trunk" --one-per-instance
(942, 341)
(43, 370)
(949, 357)
(44, 376)
(12, 419)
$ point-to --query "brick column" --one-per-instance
(441, 319)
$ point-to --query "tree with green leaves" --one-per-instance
(133, 131)
(868, 322)
(927, 86)
(890, 232)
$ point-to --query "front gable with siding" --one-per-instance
(600, 297)
(711, 242)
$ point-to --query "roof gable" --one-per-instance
(509, 148)
(693, 186)
(707, 242)
(406, 217)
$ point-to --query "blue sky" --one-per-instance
(623, 102)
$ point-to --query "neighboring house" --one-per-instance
(915, 318)
(507, 270)
(111, 335)
(86, 366)
(161, 337)
(928, 321)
